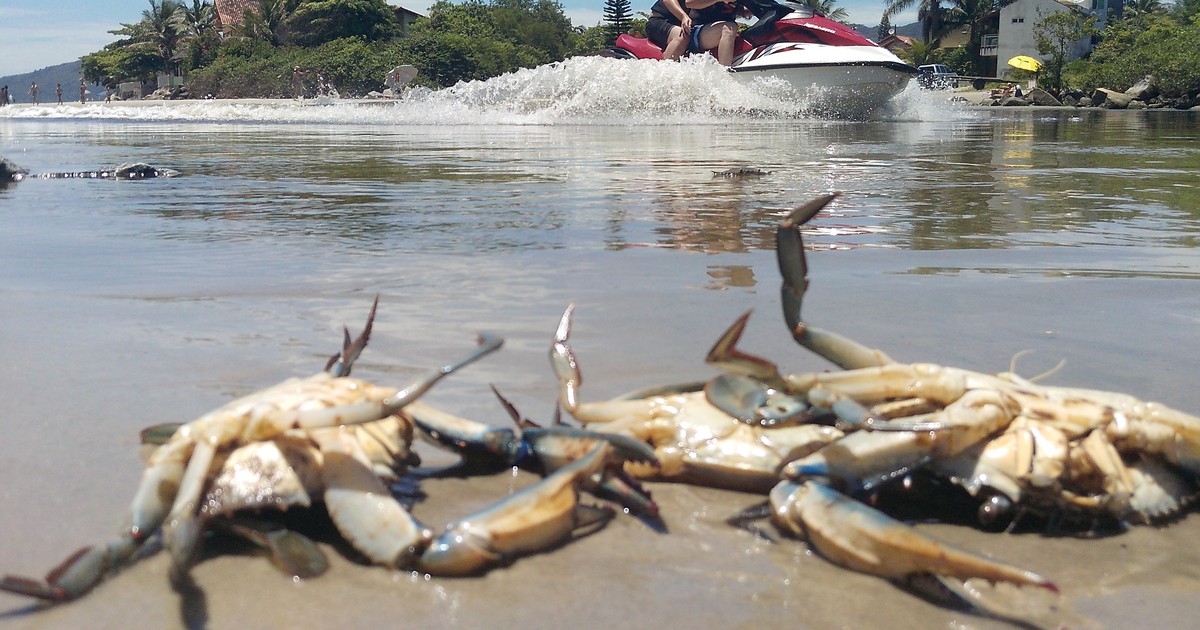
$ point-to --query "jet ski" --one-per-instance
(830, 67)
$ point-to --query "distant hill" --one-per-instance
(872, 32)
(65, 73)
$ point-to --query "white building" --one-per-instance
(1010, 32)
(1018, 19)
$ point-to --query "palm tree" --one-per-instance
(201, 18)
(166, 28)
(929, 12)
(161, 29)
(826, 8)
(201, 22)
(264, 20)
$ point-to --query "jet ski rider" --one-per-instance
(715, 26)
(669, 28)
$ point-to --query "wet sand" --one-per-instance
(70, 467)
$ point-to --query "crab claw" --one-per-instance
(858, 537)
(540, 450)
(76, 575)
(537, 518)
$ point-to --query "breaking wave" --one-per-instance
(578, 91)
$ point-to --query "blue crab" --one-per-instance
(1019, 447)
(334, 439)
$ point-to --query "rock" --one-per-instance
(1070, 101)
(10, 173)
(1143, 90)
(1012, 101)
(1085, 101)
(1113, 99)
(1038, 96)
(1136, 105)
(141, 170)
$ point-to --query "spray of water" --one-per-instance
(578, 91)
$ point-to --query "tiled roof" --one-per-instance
(229, 12)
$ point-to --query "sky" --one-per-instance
(35, 34)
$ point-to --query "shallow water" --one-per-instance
(962, 237)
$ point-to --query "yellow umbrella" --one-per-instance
(1025, 62)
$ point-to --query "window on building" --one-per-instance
(1018, 20)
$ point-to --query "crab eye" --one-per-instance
(996, 513)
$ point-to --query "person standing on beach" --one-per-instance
(82, 91)
(33, 92)
(58, 92)
(4, 96)
(297, 83)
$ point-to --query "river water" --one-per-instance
(963, 236)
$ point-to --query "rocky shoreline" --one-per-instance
(1143, 95)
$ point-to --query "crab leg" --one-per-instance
(76, 575)
(628, 414)
(537, 518)
(858, 537)
(537, 449)
(363, 509)
(793, 266)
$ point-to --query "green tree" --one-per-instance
(885, 28)
(1186, 10)
(202, 37)
(119, 61)
(618, 16)
(264, 21)
(1159, 45)
(1134, 8)
(921, 53)
(1056, 35)
(314, 22)
(476, 39)
(162, 29)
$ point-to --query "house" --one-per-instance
(404, 19)
(897, 43)
(230, 12)
(1009, 31)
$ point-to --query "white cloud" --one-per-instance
(584, 17)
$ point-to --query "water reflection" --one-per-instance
(1003, 179)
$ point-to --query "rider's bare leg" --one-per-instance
(677, 43)
(721, 36)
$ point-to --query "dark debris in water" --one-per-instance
(10, 173)
(740, 173)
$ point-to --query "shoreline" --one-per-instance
(969, 98)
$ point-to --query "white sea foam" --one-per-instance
(581, 90)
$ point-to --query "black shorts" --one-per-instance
(658, 30)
